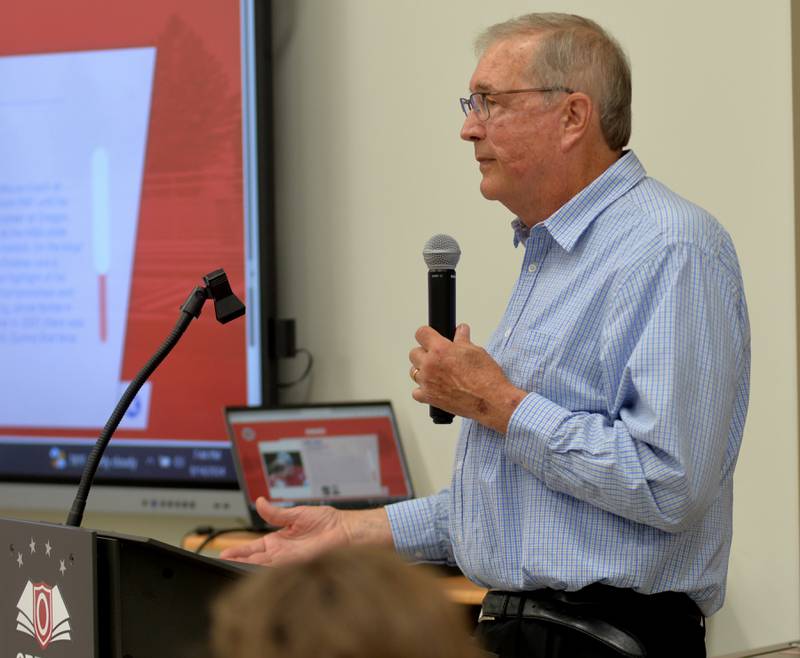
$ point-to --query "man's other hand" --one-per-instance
(306, 531)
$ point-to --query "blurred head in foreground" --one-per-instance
(359, 602)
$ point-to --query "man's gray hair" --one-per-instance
(576, 52)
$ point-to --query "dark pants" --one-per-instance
(595, 622)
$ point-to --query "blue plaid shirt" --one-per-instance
(628, 326)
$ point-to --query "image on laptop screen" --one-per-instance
(340, 454)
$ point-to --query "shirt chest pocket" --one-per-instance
(526, 357)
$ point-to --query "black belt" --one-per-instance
(579, 610)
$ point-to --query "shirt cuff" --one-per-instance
(420, 528)
(533, 425)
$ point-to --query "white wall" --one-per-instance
(370, 165)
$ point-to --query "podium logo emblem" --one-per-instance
(42, 614)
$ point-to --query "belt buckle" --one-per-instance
(496, 602)
(484, 617)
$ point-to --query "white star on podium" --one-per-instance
(48, 548)
(32, 545)
(19, 559)
(62, 568)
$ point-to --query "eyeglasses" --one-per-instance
(477, 102)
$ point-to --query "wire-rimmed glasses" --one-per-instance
(478, 104)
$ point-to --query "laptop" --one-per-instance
(347, 455)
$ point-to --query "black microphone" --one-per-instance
(441, 254)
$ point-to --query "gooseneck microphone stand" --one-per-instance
(227, 307)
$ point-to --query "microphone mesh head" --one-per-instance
(441, 252)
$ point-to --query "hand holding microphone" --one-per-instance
(455, 376)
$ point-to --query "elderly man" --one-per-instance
(592, 487)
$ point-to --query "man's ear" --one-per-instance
(576, 118)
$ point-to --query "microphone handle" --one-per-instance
(442, 318)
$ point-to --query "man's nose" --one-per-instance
(473, 128)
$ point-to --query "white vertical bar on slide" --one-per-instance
(101, 231)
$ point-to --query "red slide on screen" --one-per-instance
(190, 211)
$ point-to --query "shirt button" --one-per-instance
(532, 267)
(507, 333)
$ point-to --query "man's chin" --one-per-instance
(488, 190)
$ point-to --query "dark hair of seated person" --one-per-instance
(359, 602)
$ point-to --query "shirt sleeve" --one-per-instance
(674, 351)
(420, 528)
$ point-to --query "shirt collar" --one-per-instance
(568, 223)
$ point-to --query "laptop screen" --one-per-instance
(348, 454)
